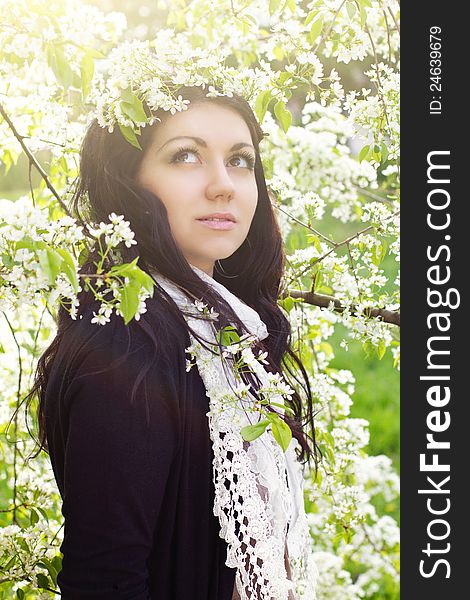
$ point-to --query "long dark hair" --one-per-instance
(106, 184)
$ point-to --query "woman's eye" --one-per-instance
(239, 161)
(246, 160)
(184, 152)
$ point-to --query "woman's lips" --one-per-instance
(217, 224)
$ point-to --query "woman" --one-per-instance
(155, 478)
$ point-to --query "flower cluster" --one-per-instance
(315, 159)
(39, 262)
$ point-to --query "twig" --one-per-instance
(327, 33)
(388, 37)
(13, 508)
(379, 81)
(31, 189)
(346, 241)
(377, 550)
(33, 159)
(323, 237)
(394, 19)
(351, 262)
(324, 301)
(370, 194)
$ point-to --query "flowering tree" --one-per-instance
(63, 62)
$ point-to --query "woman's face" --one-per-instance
(207, 170)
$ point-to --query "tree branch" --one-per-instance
(387, 316)
(315, 231)
(379, 81)
(369, 194)
(394, 19)
(32, 159)
(327, 33)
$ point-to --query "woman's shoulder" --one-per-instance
(157, 337)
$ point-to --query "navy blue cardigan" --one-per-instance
(135, 478)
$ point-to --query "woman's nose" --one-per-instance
(220, 182)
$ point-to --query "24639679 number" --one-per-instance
(435, 68)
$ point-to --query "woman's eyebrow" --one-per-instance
(202, 143)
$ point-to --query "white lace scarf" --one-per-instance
(262, 512)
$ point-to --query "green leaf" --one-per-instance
(281, 431)
(68, 267)
(396, 360)
(368, 348)
(48, 564)
(27, 243)
(381, 349)
(145, 280)
(43, 581)
(251, 19)
(278, 52)
(132, 107)
(262, 103)
(351, 9)
(288, 303)
(291, 5)
(315, 29)
(283, 115)
(319, 477)
(316, 242)
(384, 152)
(377, 153)
(51, 263)
(378, 254)
(20, 593)
(7, 260)
(43, 513)
(273, 6)
(60, 65)
(363, 15)
(284, 76)
(82, 257)
(7, 160)
(326, 348)
(311, 15)
(252, 432)
(10, 563)
(24, 545)
(129, 302)
(318, 278)
(364, 152)
(87, 69)
(125, 269)
(283, 406)
(130, 135)
(34, 517)
(57, 563)
(329, 454)
(227, 336)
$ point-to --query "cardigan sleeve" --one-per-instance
(117, 459)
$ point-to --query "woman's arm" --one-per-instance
(115, 474)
